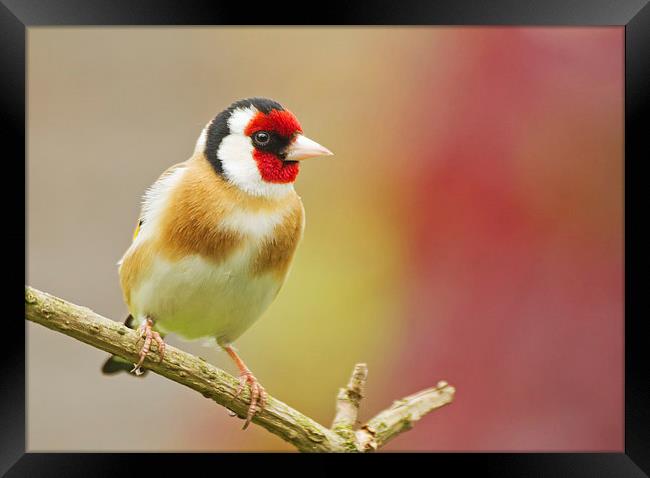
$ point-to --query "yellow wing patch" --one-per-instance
(137, 229)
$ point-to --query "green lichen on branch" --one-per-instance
(211, 382)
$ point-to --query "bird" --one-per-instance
(216, 236)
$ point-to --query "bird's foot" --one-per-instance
(146, 330)
(258, 394)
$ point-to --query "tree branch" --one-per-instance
(290, 425)
(402, 415)
(348, 401)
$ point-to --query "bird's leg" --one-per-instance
(146, 330)
(246, 377)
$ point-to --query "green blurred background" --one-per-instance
(468, 228)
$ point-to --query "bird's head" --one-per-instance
(257, 145)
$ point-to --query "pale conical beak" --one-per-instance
(304, 148)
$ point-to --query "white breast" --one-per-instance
(196, 298)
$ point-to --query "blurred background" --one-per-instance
(469, 228)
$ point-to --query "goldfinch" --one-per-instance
(217, 234)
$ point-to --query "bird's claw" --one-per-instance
(146, 330)
(257, 392)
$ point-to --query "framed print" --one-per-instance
(391, 231)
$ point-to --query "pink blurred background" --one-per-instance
(470, 227)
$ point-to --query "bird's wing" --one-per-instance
(137, 229)
(165, 174)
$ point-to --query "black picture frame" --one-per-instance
(17, 15)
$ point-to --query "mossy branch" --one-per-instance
(290, 425)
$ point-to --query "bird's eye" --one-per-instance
(261, 138)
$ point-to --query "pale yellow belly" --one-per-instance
(196, 298)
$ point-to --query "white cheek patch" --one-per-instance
(236, 154)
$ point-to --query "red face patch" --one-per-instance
(282, 122)
(271, 167)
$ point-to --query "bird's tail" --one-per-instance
(115, 364)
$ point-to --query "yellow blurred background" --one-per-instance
(468, 228)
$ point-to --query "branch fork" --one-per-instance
(305, 434)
